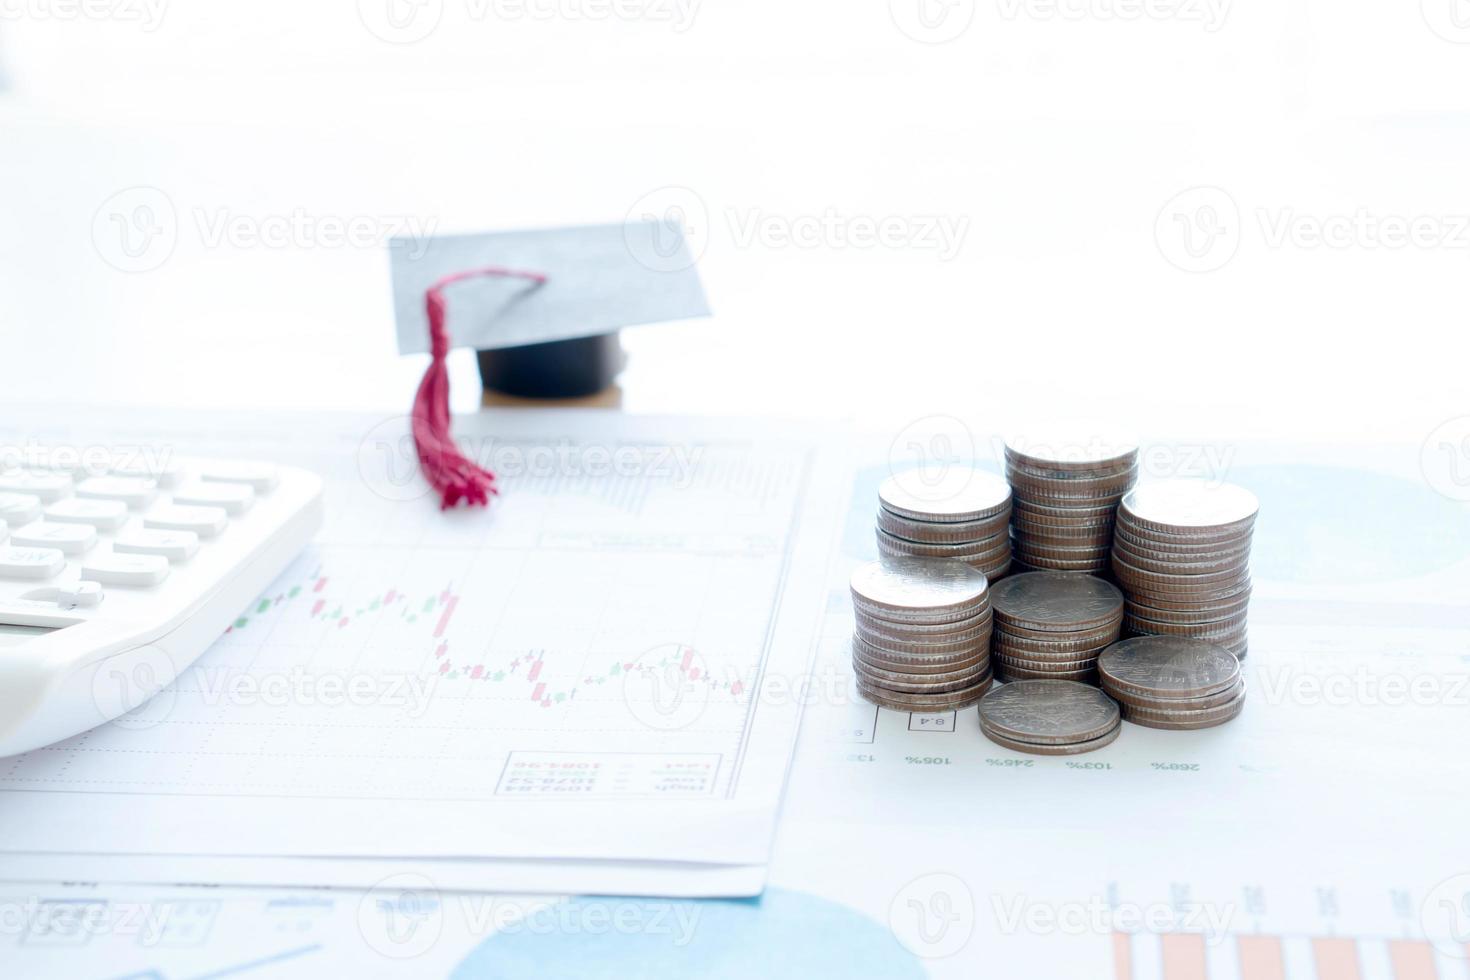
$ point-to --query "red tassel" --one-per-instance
(443, 465)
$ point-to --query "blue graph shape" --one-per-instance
(782, 935)
(1325, 524)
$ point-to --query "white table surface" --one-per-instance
(1058, 139)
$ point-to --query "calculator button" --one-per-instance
(203, 521)
(173, 545)
(140, 467)
(262, 477)
(79, 595)
(46, 486)
(19, 508)
(30, 562)
(71, 539)
(235, 498)
(134, 491)
(114, 569)
(105, 515)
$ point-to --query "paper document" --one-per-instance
(590, 669)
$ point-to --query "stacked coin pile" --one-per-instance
(1173, 681)
(922, 641)
(1049, 717)
(1053, 625)
(1067, 481)
(1182, 555)
(963, 516)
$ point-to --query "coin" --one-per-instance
(980, 657)
(1049, 711)
(1168, 666)
(1107, 632)
(1127, 699)
(1072, 445)
(1233, 602)
(957, 495)
(868, 623)
(1180, 505)
(928, 590)
(1094, 517)
(1174, 565)
(932, 532)
(901, 683)
(1047, 667)
(1058, 647)
(1055, 601)
(1184, 548)
(970, 553)
(1138, 624)
(1187, 721)
(1081, 488)
(1010, 672)
(887, 646)
(948, 701)
(1036, 748)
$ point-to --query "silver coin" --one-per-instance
(1072, 445)
(1137, 624)
(901, 683)
(970, 553)
(1082, 484)
(958, 495)
(1062, 517)
(1189, 505)
(1062, 534)
(1058, 646)
(1149, 605)
(949, 701)
(1176, 566)
(1009, 673)
(1046, 668)
(1211, 718)
(867, 623)
(1168, 666)
(1055, 601)
(1107, 632)
(980, 658)
(1035, 748)
(931, 532)
(888, 646)
(930, 590)
(1044, 564)
(1128, 699)
(1049, 711)
(1184, 548)
(1061, 552)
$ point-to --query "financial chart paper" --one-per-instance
(575, 672)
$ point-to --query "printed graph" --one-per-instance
(1194, 956)
(413, 654)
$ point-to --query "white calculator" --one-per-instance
(117, 576)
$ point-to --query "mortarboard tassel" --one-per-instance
(444, 466)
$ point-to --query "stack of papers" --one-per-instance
(585, 687)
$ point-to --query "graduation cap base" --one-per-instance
(556, 369)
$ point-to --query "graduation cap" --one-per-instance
(542, 308)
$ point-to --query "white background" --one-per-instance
(1057, 135)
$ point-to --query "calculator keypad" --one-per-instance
(125, 528)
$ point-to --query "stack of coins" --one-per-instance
(963, 516)
(1182, 555)
(1047, 717)
(1067, 482)
(1173, 681)
(922, 638)
(1053, 625)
